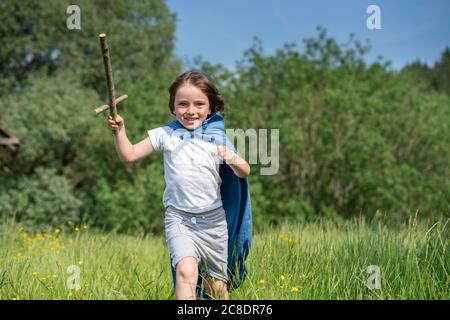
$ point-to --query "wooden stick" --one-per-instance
(105, 107)
(109, 75)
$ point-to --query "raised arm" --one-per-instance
(128, 152)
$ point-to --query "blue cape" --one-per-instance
(236, 203)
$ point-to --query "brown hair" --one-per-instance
(204, 83)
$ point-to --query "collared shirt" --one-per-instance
(191, 170)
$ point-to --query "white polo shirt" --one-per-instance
(191, 170)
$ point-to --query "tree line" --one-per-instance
(355, 138)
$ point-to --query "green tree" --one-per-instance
(441, 73)
(435, 78)
(36, 38)
(42, 199)
(354, 138)
(52, 78)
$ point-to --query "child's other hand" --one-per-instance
(227, 155)
(114, 125)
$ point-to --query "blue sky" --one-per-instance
(220, 31)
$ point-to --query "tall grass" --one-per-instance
(321, 260)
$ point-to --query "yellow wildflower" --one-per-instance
(262, 281)
(39, 237)
(294, 289)
(20, 256)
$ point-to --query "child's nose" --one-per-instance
(190, 109)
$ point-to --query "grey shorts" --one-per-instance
(203, 236)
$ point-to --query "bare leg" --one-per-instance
(186, 279)
(215, 288)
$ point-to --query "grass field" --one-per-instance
(321, 260)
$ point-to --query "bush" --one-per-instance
(44, 198)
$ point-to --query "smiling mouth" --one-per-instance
(190, 119)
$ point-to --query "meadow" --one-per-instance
(316, 260)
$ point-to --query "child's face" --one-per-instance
(191, 106)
